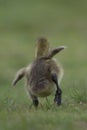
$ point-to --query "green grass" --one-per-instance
(63, 23)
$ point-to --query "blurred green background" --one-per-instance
(63, 23)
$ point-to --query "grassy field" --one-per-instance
(63, 23)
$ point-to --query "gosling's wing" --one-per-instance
(54, 51)
(20, 74)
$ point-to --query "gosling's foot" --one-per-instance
(35, 102)
(57, 98)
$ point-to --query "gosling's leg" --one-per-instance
(35, 101)
(58, 94)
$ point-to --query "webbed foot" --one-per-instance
(58, 96)
(35, 102)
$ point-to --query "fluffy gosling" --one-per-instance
(44, 74)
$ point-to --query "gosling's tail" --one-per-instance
(20, 74)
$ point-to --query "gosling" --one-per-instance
(44, 74)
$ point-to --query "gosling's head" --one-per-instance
(42, 47)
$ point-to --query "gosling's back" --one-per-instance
(40, 81)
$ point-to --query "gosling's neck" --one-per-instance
(42, 48)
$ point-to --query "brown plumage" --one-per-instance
(44, 74)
